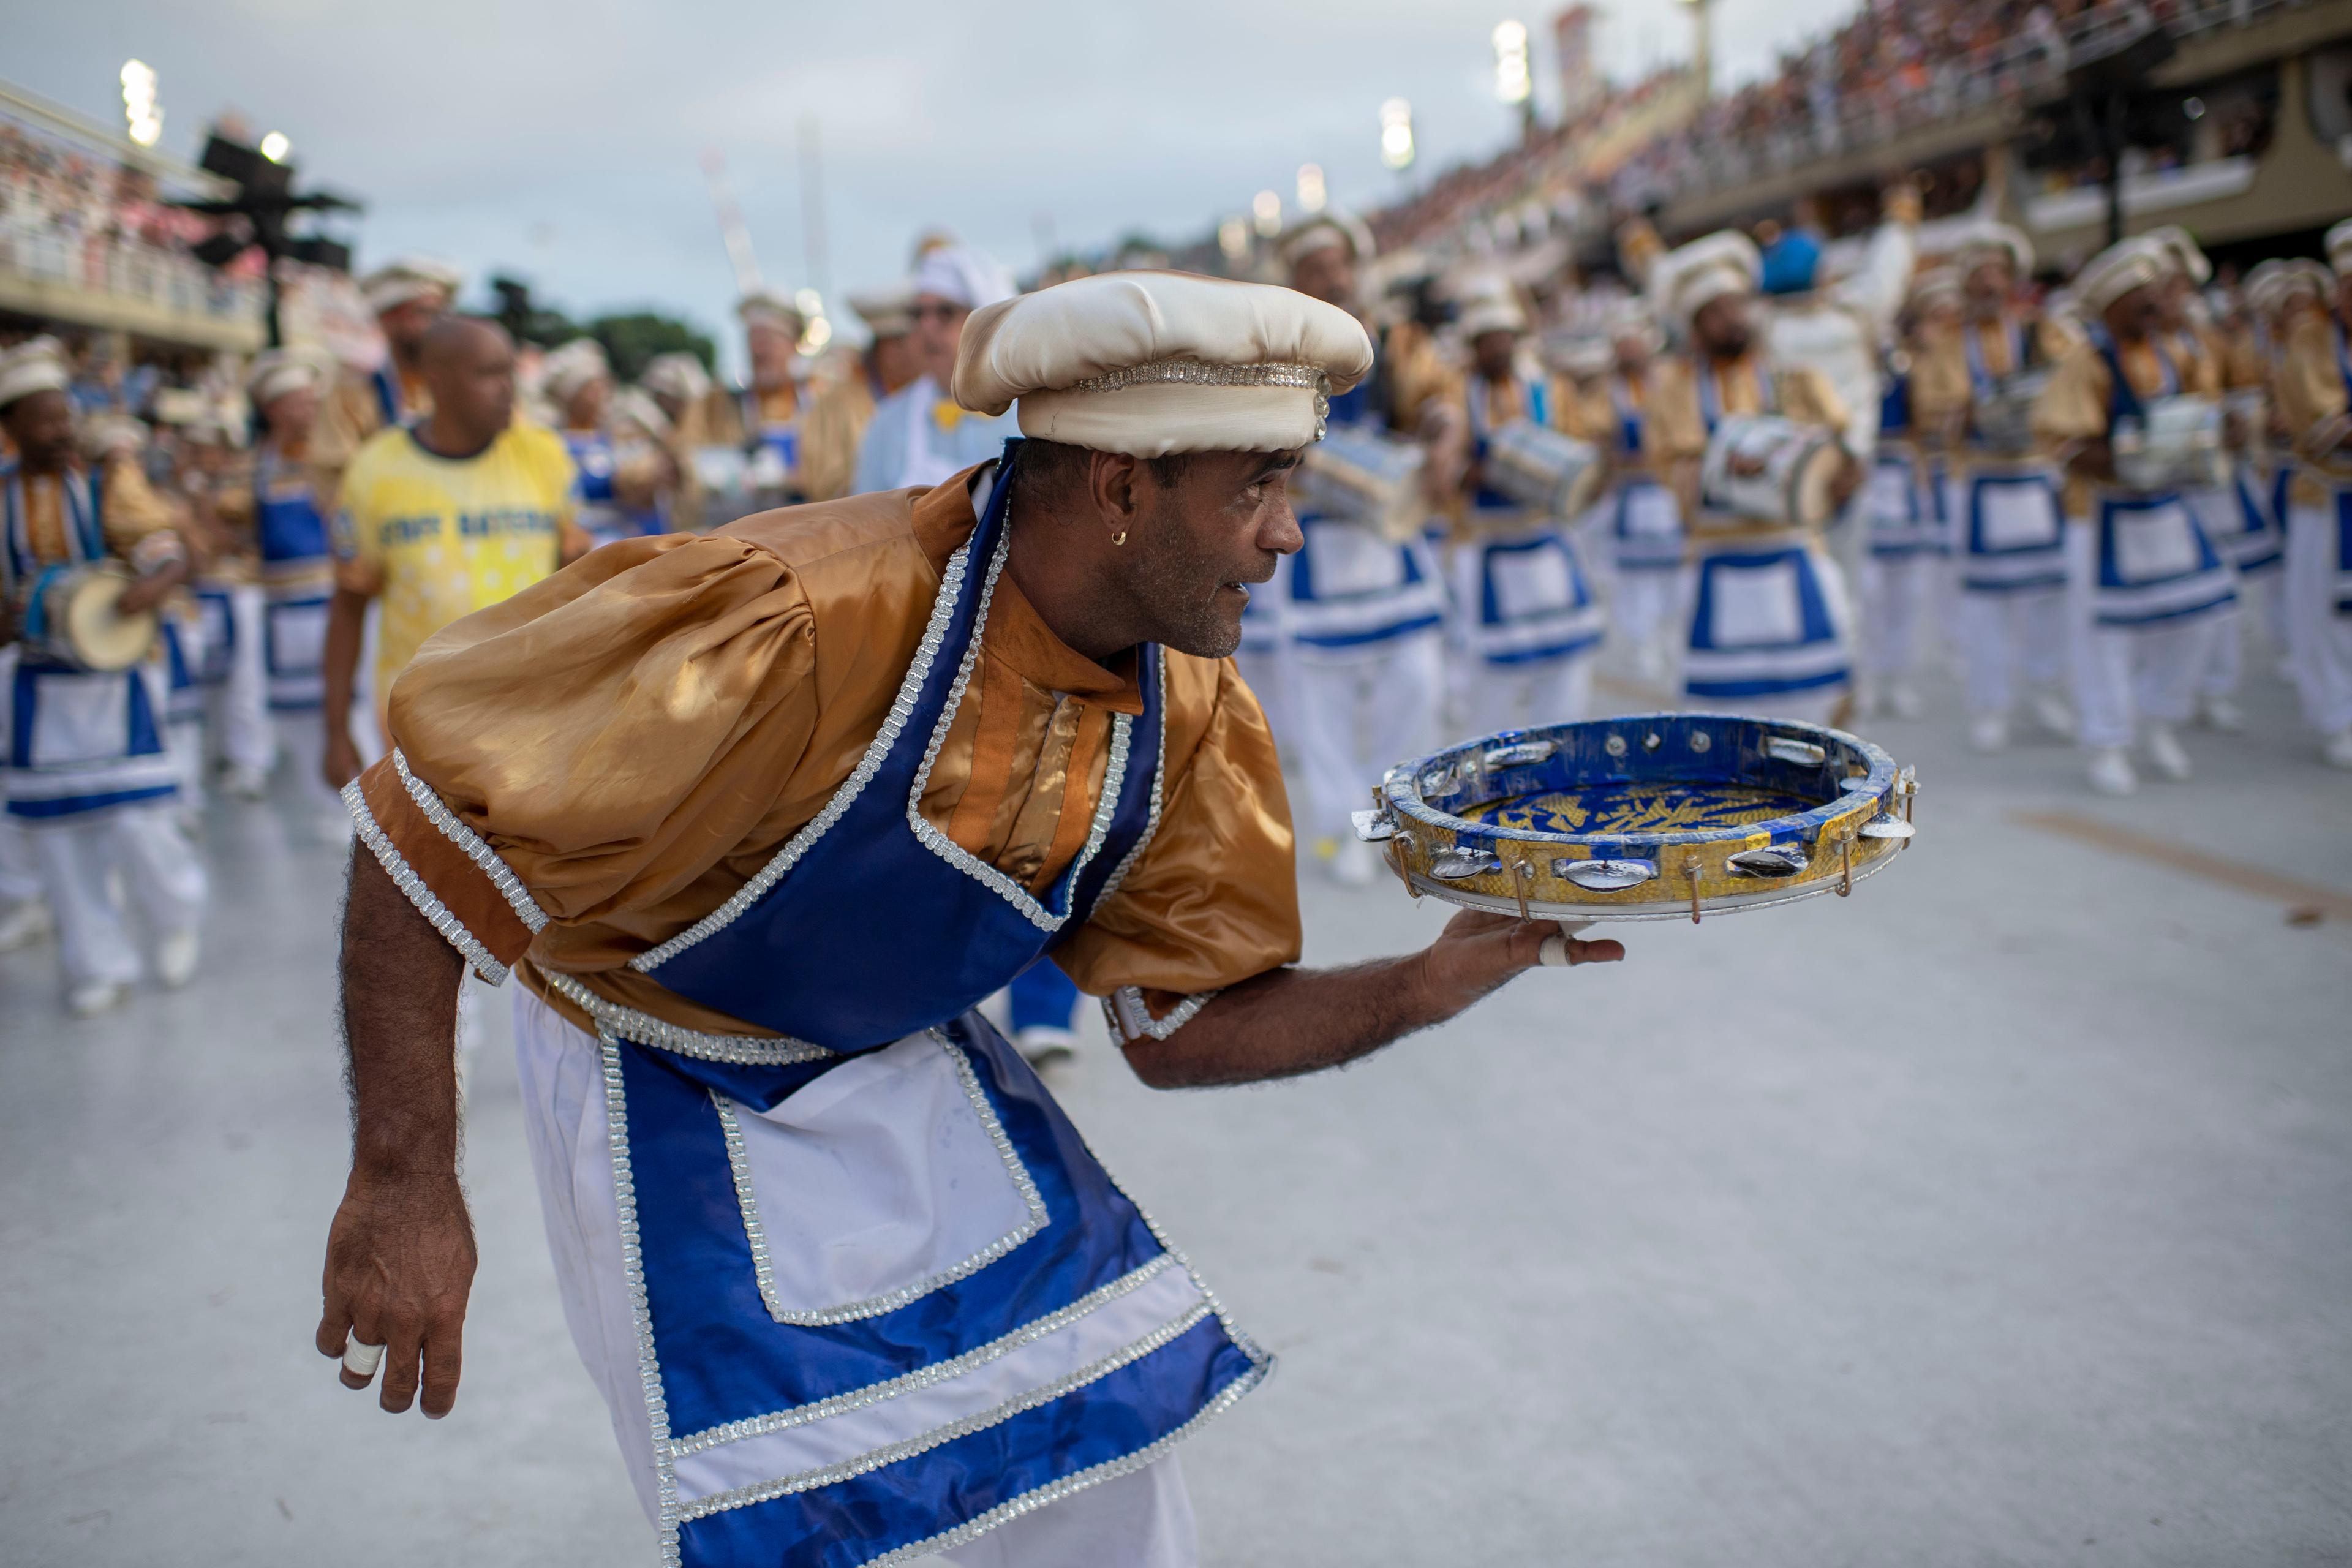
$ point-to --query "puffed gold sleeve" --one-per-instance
(1212, 899)
(593, 744)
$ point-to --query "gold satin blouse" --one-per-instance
(637, 736)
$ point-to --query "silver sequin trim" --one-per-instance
(980, 1421)
(1130, 1020)
(954, 854)
(1151, 817)
(922, 1377)
(1232, 1394)
(902, 708)
(501, 874)
(632, 1267)
(452, 930)
(739, 1160)
(628, 1023)
(1197, 373)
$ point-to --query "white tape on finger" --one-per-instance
(1553, 953)
(360, 1361)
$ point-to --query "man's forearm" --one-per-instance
(339, 660)
(1292, 1021)
(400, 1019)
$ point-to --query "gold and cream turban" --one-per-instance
(1685, 280)
(887, 312)
(1152, 363)
(411, 278)
(2338, 246)
(1937, 286)
(1990, 238)
(37, 364)
(970, 278)
(1326, 229)
(276, 371)
(572, 366)
(766, 308)
(678, 375)
(1492, 312)
(2116, 271)
(2181, 253)
(2270, 285)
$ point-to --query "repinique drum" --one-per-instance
(1363, 476)
(2176, 444)
(70, 616)
(1646, 818)
(1793, 467)
(2001, 422)
(1543, 469)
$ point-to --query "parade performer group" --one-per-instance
(757, 818)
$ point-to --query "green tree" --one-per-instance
(632, 339)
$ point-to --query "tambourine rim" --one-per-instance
(1808, 825)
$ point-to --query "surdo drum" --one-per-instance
(2176, 444)
(69, 615)
(1646, 818)
(1769, 470)
(1542, 470)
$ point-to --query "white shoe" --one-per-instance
(24, 922)
(1904, 702)
(2050, 711)
(91, 997)
(1352, 864)
(175, 957)
(2337, 751)
(2221, 713)
(2111, 772)
(2165, 754)
(244, 784)
(1988, 733)
(1042, 1045)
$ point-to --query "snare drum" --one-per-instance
(2001, 422)
(68, 617)
(1542, 470)
(2175, 444)
(1646, 818)
(1363, 477)
(1791, 487)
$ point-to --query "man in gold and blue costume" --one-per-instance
(757, 816)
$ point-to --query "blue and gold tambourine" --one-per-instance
(1651, 816)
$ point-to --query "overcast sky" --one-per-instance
(560, 140)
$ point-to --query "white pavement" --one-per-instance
(1999, 1214)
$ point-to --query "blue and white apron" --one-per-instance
(1646, 521)
(1896, 502)
(78, 741)
(1004, 1290)
(595, 460)
(1524, 597)
(2155, 566)
(2336, 508)
(215, 640)
(297, 582)
(1766, 619)
(776, 446)
(2005, 513)
(2240, 522)
(1350, 588)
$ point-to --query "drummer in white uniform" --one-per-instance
(1638, 519)
(2315, 388)
(620, 477)
(918, 436)
(1902, 510)
(2154, 585)
(85, 769)
(1364, 615)
(1530, 626)
(1768, 625)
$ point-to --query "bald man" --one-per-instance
(437, 520)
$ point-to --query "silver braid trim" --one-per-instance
(477, 848)
(644, 1029)
(1130, 1020)
(428, 904)
(1200, 373)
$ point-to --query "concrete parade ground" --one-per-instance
(1999, 1215)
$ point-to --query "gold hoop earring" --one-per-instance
(1120, 538)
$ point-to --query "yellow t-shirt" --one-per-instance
(435, 539)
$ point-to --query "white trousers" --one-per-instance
(2261, 602)
(1898, 600)
(20, 871)
(1642, 612)
(1519, 696)
(1362, 710)
(1140, 1521)
(2004, 637)
(161, 881)
(2319, 640)
(236, 710)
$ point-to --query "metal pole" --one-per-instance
(2111, 137)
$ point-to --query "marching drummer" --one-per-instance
(2156, 588)
(620, 482)
(1528, 623)
(1364, 615)
(1768, 626)
(837, 420)
(2315, 389)
(86, 771)
(758, 816)
(918, 435)
(1637, 514)
(1901, 508)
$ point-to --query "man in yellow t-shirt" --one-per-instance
(437, 520)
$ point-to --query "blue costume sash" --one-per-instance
(867, 938)
(297, 561)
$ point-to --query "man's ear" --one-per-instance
(1113, 485)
